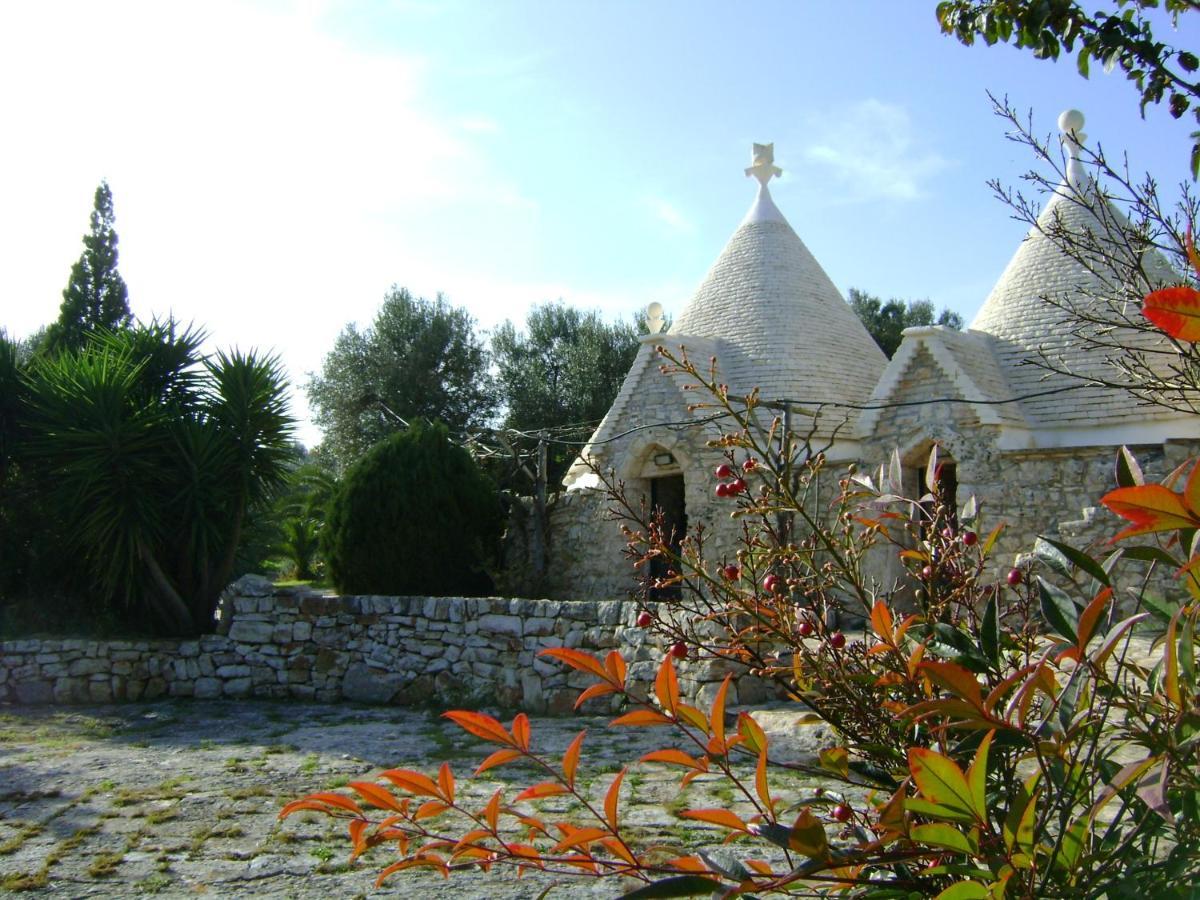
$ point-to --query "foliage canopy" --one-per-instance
(886, 321)
(419, 360)
(414, 516)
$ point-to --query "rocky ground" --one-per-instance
(182, 798)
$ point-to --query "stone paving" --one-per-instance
(180, 798)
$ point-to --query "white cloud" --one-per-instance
(872, 152)
(671, 216)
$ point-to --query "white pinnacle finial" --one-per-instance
(764, 168)
(1070, 123)
(654, 318)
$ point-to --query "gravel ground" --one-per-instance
(181, 798)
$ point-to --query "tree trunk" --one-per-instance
(165, 598)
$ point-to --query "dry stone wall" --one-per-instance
(404, 650)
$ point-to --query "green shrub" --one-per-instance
(413, 516)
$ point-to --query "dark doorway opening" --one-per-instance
(945, 489)
(667, 496)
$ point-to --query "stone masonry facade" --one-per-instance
(284, 644)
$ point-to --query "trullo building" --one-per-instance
(1034, 446)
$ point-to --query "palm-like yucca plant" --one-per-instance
(155, 455)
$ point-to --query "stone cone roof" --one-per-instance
(1022, 324)
(781, 324)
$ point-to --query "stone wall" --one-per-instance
(406, 650)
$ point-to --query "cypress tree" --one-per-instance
(95, 296)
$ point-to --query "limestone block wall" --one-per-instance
(406, 650)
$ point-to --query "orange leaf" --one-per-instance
(480, 725)
(492, 811)
(612, 798)
(955, 679)
(429, 809)
(760, 781)
(641, 717)
(752, 733)
(1190, 247)
(431, 861)
(520, 730)
(446, 782)
(298, 805)
(692, 716)
(571, 758)
(1150, 507)
(619, 849)
(379, 797)
(541, 789)
(688, 864)
(1191, 490)
(666, 685)
(881, 621)
(357, 828)
(717, 716)
(674, 758)
(499, 758)
(577, 659)
(722, 817)
(525, 851)
(470, 838)
(596, 690)
(580, 836)
(1090, 616)
(1176, 311)
(614, 664)
(326, 799)
(413, 782)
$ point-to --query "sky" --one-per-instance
(276, 166)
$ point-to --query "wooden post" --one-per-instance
(537, 540)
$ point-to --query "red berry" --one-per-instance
(679, 650)
(750, 464)
(722, 489)
(724, 470)
(737, 486)
(970, 539)
(842, 813)
(927, 573)
(837, 640)
(1015, 577)
(805, 629)
(644, 619)
(731, 572)
(771, 583)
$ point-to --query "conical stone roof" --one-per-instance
(1024, 326)
(781, 324)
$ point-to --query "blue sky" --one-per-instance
(276, 166)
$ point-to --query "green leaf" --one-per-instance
(678, 886)
(964, 890)
(977, 777)
(1129, 473)
(836, 760)
(1081, 61)
(940, 780)
(939, 834)
(1079, 559)
(1070, 848)
(1019, 822)
(938, 811)
(989, 630)
(1151, 554)
(1059, 610)
(1051, 556)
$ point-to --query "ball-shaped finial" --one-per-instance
(1070, 120)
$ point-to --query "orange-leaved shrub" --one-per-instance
(1014, 736)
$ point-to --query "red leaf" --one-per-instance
(580, 836)
(1176, 311)
(716, 717)
(614, 664)
(571, 758)
(492, 810)
(956, 679)
(1151, 508)
(480, 725)
(499, 758)
(722, 817)
(429, 809)
(881, 621)
(431, 861)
